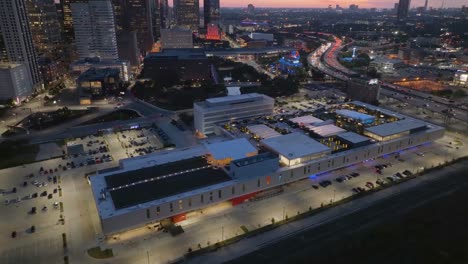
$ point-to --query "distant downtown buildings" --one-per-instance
(108, 29)
(94, 27)
(17, 45)
(211, 12)
(403, 8)
(45, 26)
(187, 13)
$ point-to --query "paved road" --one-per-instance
(332, 67)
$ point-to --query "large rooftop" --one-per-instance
(93, 74)
(397, 127)
(294, 145)
(353, 138)
(355, 115)
(234, 149)
(307, 119)
(233, 99)
(262, 131)
(129, 177)
(181, 54)
(326, 130)
(185, 181)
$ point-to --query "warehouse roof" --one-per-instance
(308, 119)
(263, 131)
(294, 145)
(396, 127)
(234, 149)
(353, 138)
(326, 130)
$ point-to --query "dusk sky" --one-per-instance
(325, 3)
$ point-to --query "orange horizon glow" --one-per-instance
(324, 4)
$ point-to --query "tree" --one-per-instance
(373, 73)
(317, 75)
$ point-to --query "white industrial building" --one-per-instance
(15, 81)
(170, 185)
(229, 108)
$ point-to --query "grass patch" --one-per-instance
(43, 120)
(24, 153)
(245, 229)
(121, 114)
(97, 253)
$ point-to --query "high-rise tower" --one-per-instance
(67, 21)
(94, 26)
(187, 13)
(45, 26)
(403, 8)
(164, 13)
(136, 15)
(211, 12)
(17, 38)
